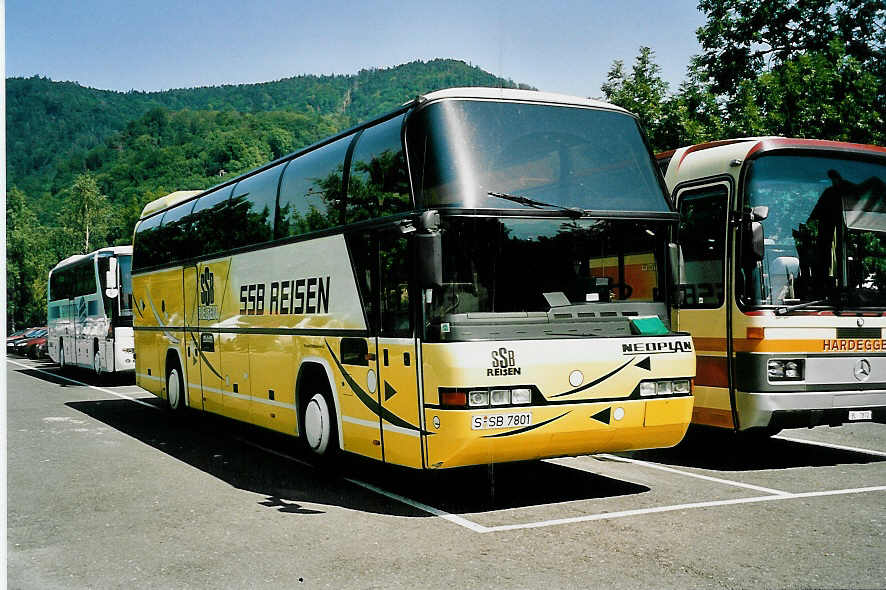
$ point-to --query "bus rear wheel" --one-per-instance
(320, 431)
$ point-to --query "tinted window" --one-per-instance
(703, 240)
(311, 192)
(84, 279)
(124, 265)
(175, 233)
(378, 183)
(252, 209)
(209, 212)
(60, 284)
(463, 150)
(144, 247)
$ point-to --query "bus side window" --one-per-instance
(311, 194)
(378, 183)
(207, 217)
(253, 203)
(144, 252)
(395, 263)
(703, 239)
(175, 233)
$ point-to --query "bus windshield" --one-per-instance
(513, 269)
(124, 264)
(825, 235)
(584, 158)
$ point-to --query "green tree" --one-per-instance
(85, 217)
(815, 68)
(642, 91)
(27, 263)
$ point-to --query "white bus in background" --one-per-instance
(89, 315)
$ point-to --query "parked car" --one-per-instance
(21, 346)
(16, 336)
(39, 349)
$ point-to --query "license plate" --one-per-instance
(861, 414)
(489, 421)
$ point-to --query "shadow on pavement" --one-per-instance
(727, 451)
(50, 372)
(221, 448)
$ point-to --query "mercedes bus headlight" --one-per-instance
(478, 398)
(501, 397)
(785, 369)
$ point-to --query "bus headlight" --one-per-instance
(478, 398)
(501, 397)
(521, 396)
(682, 386)
(785, 369)
(647, 388)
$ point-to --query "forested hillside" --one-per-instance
(51, 123)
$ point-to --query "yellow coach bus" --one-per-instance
(784, 290)
(446, 285)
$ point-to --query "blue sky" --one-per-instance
(557, 46)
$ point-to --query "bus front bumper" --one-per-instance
(464, 437)
(789, 409)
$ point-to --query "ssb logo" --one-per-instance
(504, 363)
(207, 287)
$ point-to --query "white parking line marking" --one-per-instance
(730, 482)
(477, 528)
(658, 509)
(832, 446)
(402, 499)
(102, 389)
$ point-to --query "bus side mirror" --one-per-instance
(429, 246)
(111, 290)
(677, 264)
(756, 247)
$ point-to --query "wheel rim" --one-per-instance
(172, 390)
(97, 364)
(317, 424)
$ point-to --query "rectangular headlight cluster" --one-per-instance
(785, 369)
(665, 387)
(485, 398)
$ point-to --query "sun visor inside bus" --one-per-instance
(864, 205)
(866, 211)
(648, 326)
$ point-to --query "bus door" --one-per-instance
(397, 362)
(703, 302)
(203, 285)
(193, 362)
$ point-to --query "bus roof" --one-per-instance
(709, 158)
(119, 250)
(167, 201)
(516, 95)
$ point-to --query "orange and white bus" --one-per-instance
(784, 289)
(446, 285)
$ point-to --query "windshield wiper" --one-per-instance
(572, 212)
(790, 308)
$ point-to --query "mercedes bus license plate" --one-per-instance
(487, 421)
(861, 414)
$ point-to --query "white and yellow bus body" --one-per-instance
(794, 335)
(331, 335)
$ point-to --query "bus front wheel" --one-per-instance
(320, 431)
(175, 389)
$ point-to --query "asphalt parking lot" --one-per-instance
(108, 490)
